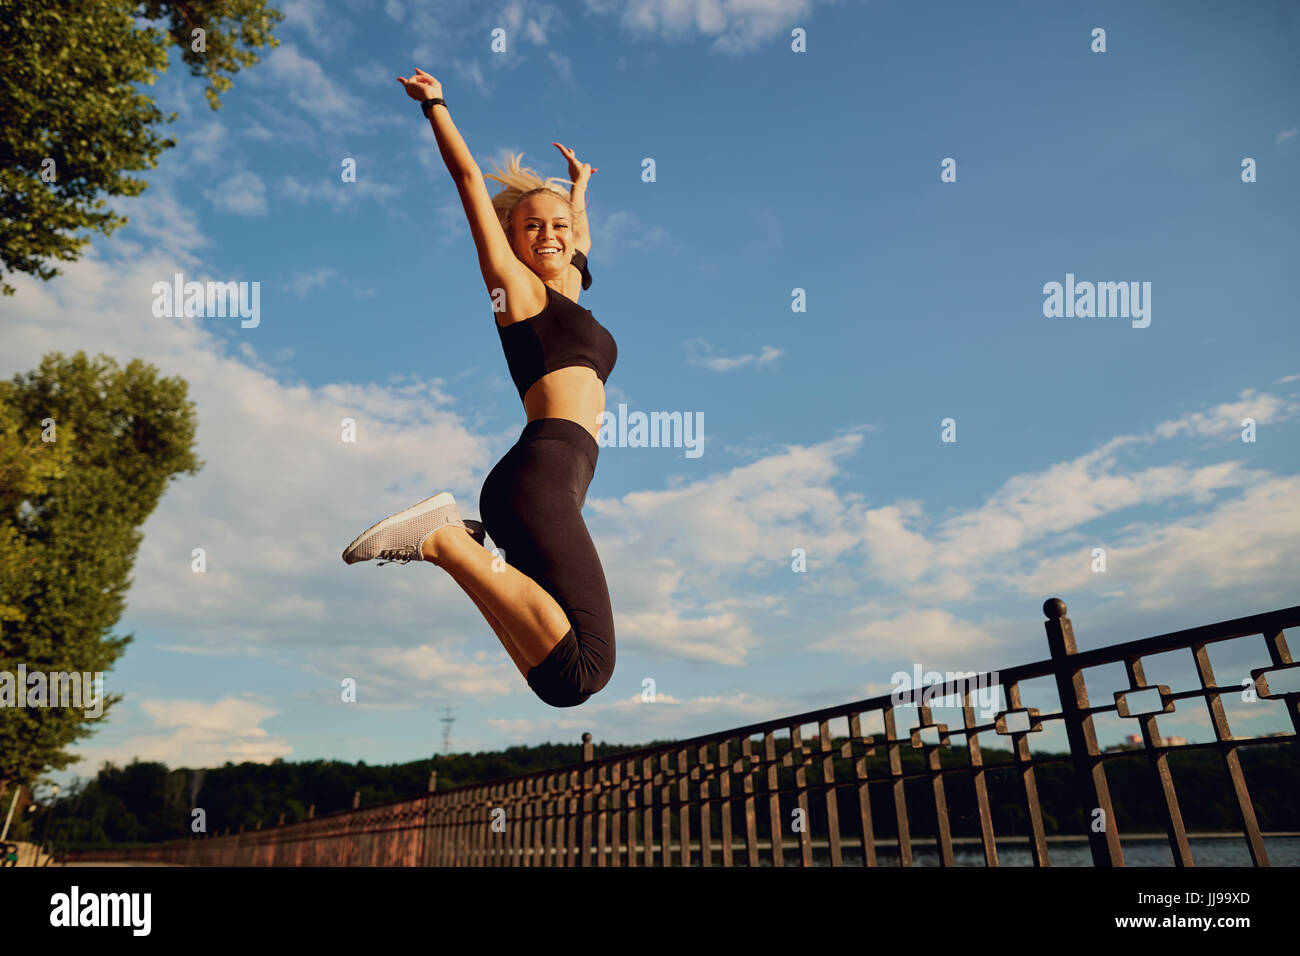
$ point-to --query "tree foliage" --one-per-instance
(75, 121)
(70, 510)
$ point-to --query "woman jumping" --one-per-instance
(549, 604)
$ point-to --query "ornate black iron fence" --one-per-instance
(719, 799)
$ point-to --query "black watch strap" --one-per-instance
(430, 104)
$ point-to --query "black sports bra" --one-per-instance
(561, 335)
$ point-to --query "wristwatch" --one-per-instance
(430, 104)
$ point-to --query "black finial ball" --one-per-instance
(1054, 607)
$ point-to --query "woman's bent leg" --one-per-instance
(532, 507)
(530, 616)
(502, 635)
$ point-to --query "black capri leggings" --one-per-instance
(531, 505)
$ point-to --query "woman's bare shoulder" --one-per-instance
(522, 298)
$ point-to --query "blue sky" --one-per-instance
(775, 171)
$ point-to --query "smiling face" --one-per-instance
(541, 234)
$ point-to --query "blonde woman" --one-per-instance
(547, 601)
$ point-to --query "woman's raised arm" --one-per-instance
(497, 260)
(579, 174)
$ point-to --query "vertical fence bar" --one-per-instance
(648, 808)
(1280, 655)
(630, 783)
(524, 845)
(830, 793)
(798, 756)
(587, 801)
(934, 768)
(704, 767)
(614, 788)
(751, 811)
(498, 853)
(987, 837)
(546, 825)
(572, 828)
(900, 794)
(684, 807)
(867, 839)
(724, 806)
(1090, 775)
(1024, 761)
(553, 822)
(774, 799)
(1158, 760)
(664, 779)
(1228, 751)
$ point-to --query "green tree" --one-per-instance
(26, 469)
(74, 119)
(120, 434)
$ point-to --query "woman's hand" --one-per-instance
(579, 173)
(421, 86)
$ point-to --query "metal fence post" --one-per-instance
(426, 851)
(584, 853)
(1089, 773)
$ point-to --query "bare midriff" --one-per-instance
(575, 393)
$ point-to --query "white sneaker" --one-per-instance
(475, 529)
(400, 537)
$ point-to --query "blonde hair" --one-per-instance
(519, 182)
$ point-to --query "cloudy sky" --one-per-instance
(775, 171)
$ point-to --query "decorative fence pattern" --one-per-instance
(717, 799)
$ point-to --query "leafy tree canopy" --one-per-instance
(75, 121)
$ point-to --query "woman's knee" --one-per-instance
(573, 671)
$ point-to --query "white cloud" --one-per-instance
(377, 74)
(531, 20)
(563, 65)
(619, 231)
(1286, 134)
(331, 109)
(736, 26)
(243, 194)
(458, 32)
(309, 87)
(304, 282)
(471, 72)
(700, 352)
(193, 733)
(207, 144)
(942, 634)
(401, 677)
(336, 193)
(1224, 421)
(314, 20)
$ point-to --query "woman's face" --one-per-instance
(542, 229)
